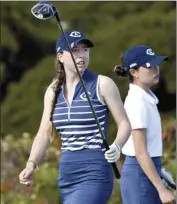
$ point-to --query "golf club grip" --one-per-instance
(116, 171)
(173, 186)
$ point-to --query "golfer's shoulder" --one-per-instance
(106, 82)
(49, 93)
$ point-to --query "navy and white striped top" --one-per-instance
(76, 123)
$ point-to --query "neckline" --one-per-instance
(77, 84)
(149, 96)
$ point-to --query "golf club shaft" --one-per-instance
(117, 174)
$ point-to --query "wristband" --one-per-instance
(35, 164)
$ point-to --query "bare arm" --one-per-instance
(42, 138)
(145, 161)
(110, 95)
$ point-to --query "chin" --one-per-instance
(82, 68)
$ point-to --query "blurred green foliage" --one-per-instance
(15, 153)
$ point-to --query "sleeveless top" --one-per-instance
(76, 123)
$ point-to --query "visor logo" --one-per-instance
(75, 34)
(150, 52)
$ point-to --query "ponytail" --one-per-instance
(121, 70)
(57, 83)
(56, 86)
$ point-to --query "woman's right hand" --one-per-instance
(166, 196)
(26, 175)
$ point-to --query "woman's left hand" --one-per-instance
(113, 154)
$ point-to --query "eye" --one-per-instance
(74, 49)
(86, 49)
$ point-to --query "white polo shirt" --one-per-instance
(141, 108)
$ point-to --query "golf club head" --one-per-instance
(44, 10)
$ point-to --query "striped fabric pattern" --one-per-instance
(76, 123)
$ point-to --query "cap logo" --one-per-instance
(72, 45)
(75, 34)
(58, 49)
(148, 64)
(133, 65)
(83, 96)
(150, 52)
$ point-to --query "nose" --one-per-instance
(156, 69)
(81, 54)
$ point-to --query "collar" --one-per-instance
(137, 90)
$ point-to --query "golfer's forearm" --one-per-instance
(123, 133)
(149, 169)
(39, 148)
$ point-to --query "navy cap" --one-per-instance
(142, 56)
(74, 37)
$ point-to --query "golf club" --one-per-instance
(167, 177)
(44, 10)
(169, 184)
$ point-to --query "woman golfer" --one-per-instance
(85, 172)
(140, 179)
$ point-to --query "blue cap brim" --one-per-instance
(86, 41)
(157, 60)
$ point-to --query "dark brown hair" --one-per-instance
(57, 83)
(123, 71)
